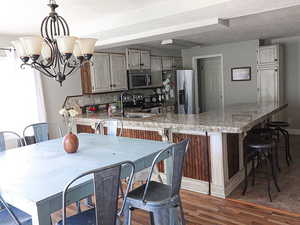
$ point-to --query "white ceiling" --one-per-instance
(268, 25)
(119, 22)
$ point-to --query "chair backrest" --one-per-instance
(4, 205)
(10, 139)
(114, 127)
(106, 188)
(177, 152)
(39, 132)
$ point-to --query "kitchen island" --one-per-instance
(214, 162)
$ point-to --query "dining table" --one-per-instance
(33, 177)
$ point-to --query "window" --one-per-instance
(18, 96)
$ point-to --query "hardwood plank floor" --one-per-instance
(206, 210)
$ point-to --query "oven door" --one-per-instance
(139, 81)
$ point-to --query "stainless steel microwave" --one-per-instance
(139, 79)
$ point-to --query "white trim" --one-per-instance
(195, 68)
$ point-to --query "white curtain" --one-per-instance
(21, 95)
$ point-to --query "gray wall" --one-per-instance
(234, 55)
(291, 75)
(55, 95)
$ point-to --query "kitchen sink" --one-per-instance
(139, 115)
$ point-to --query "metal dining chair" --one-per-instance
(10, 139)
(10, 215)
(39, 132)
(114, 127)
(110, 127)
(157, 198)
(106, 190)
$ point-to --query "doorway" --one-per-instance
(209, 79)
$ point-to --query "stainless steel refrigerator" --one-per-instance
(185, 91)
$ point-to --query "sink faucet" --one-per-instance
(122, 98)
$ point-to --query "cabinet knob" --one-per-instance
(275, 60)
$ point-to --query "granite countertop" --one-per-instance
(230, 119)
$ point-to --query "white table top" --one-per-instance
(37, 172)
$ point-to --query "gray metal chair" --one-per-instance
(39, 132)
(157, 198)
(10, 139)
(114, 127)
(10, 215)
(106, 189)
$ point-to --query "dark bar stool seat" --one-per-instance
(279, 126)
(259, 148)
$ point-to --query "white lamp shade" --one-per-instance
(19, 48)
(46, 51)
(66, 44)
(32, 45)
(87, 45)
(77, 50)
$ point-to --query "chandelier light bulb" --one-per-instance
(32, 45)
(46, 51)
(87, 45)
(77, 51)
(66, 44)
(19, 48)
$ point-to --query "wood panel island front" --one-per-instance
(214, 163)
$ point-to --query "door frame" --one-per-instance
(195, 68)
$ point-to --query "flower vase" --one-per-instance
(71, 143)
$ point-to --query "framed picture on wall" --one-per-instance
(241, 73)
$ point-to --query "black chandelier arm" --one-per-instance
(42, 69)
(74, 69)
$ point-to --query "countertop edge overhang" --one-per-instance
(237, 118)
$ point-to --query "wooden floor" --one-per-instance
(206, 210)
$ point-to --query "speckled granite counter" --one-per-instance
(231, 119)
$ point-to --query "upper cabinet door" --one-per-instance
(177, 63)
(156, 70)
(118, 72)
(100, 73)
(133, 59)
(268, 85)
(268, 55)
(145, 60)
(167, 63)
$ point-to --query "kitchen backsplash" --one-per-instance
(102, 98)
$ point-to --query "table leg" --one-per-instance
(42, 216)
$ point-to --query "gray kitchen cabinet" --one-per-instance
(100, 73)
(268, 55)
(270, 81)
(118, 72)
(108, 73)
(145, 60)
(138, 59)
(177, 63)
(167, 63)
(156, 70)
(133, 57)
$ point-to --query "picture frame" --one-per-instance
(241, 73)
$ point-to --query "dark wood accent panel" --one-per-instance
(233, 154)
(86, 82)
(196, 160)
(84, 129)
(147, 135)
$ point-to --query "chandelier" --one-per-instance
(55, 53)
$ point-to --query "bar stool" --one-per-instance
(260, 148)
(279, 126)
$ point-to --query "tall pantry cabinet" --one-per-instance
(270, 82)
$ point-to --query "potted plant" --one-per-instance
(70, 141)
